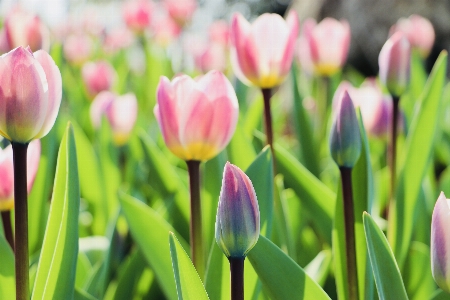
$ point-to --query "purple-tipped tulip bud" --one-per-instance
(440, 243)
(345, 141)
(394, 63)
(237, 221)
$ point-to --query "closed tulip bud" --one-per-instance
(440, 243)
(394, 63)
(98, 76)
(327, 44)
(30, 94)
(345, 139)
(262, 52)
(7, 172)
(197, 117)
(237, 221)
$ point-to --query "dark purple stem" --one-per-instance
(237, 277)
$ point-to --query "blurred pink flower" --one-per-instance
(7, 172)
(120, 111)
(98, 76)
(219, 32)
(137, 14)
(326, 44)
(262, 52)
(78, 48)
(418, 30)
(212, 56)
(25, 29)
(30, 94)
(197, 117)
(117, 39)
(181, 10)
(164, 28)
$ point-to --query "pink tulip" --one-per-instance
(327, 44)
(394, 62)
(30, 94)
(137, 14)
(7, 172)
(98, 76)
(78, 48)
(211, 57)
(262, 52)
(219, 32)
(164, 28)
(197, 117)
(418, 30)
(117, 39)
(181, 11)
(25, 29)
(120, 111)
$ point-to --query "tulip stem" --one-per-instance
(6, 221)
(237, 277)
(393, 147)
(267, 94)
(21, 220)
(196, 237)
(349, 219)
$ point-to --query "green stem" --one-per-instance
(21, 220)
(196, 237)
(6, 221)
(349, 220)
(237, 277)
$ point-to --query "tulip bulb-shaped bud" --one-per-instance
(345, 139)
(440, 243)
(237, 221)
(394, 63)
(197, 117)
(262, 52)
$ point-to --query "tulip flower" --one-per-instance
(262, 52)
(137, 14)
(394, 63)
(219, 32)
(440, 243)
(418, 30)
(197, 117)
(117, 39)
(25, 29)
(78, 48)
(120, 111)
(98, 76)
(326, 44)
(30, 94)
(211, 57)
(181, 11)
(345, 140)
(164, 28)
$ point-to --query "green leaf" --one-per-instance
(189, 285)
(319, 267)
(439, 295)
(129, 277)
(240, 149)
(150, 231)
(82, 295)
(55, 278)
(416, 160)
(217, 277)
(281, 276)
(316, 197)
(385, 270)
(417, 273)
(7, 279)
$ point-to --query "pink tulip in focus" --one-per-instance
(197, 117)
(98, 76)
(120, 111)
(137, 14)
(181, 11)
(394, 62)
(25, 29)
(7, 172)
(78, 48)
(262, 52)
(327, 44)
(418, 30)
(30, 94)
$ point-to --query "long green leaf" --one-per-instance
(385, 270)
(240, 149)
(282, 278)
(150, 232)
(417, 273)
(55, 278)
(189, 285)
(416, 161)
(7, 279)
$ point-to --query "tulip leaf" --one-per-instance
(55, 278)
(280, 275)
(417, 273)
(82, 295)
(128, 278)
(240, 149)
(7, 279)
(439, 295)
(387, 276)
(319, 267)
(416, 160)
(150, 231)
(217, 278)
(316, 197)
(189, 285)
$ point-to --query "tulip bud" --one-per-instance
(137, 14)
(30, 94)
(78, 48)
(98, 76)
(345, 139)
(440, 243)
(197, 117)
(181, 11)
(7, 172)
(262, 52)
(237, 221)
(394, 63)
